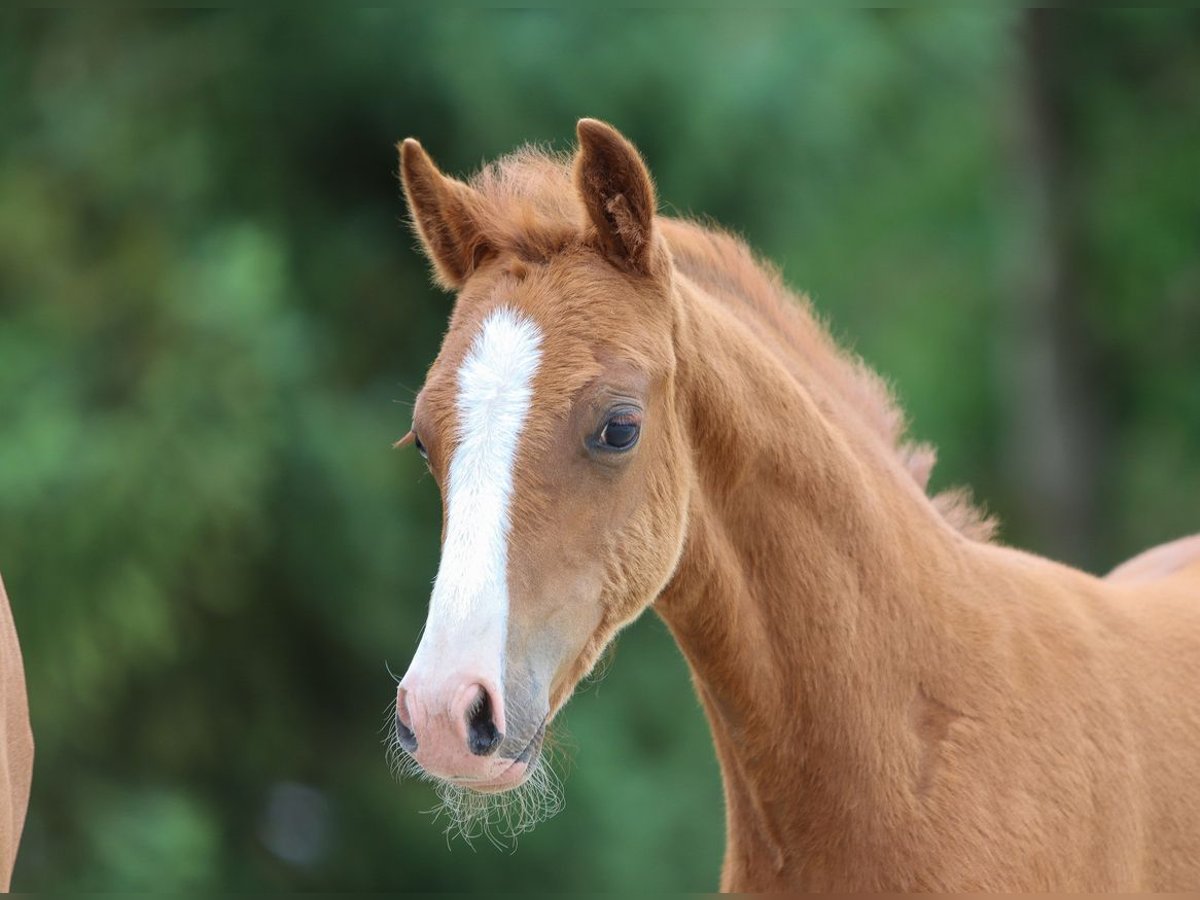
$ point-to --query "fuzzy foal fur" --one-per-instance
(896, 702)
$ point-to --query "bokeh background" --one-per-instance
(212, 318)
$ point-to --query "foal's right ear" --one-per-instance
(617, 192)
(444, 213)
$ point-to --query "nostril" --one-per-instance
(404, 733)
(405, 737)
(482, 735)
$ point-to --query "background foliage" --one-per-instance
(211, 318)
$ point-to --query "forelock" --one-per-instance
(526, 204)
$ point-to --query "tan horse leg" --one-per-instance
(16, 743)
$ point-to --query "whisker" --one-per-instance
(411, 391)
(601, 669)
(390, 672)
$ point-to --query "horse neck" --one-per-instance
(806, 593)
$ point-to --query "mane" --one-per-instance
(527, 205)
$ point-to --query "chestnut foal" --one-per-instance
(631, 410)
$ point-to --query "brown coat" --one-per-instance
(16, 743)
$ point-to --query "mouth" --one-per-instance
(512, 776)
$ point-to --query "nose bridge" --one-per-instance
(459, 664)
(465, 633)
(451, 703)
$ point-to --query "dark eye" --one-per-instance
(620, 432)
(420, 447)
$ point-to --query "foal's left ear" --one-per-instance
(618, 194)
(444, 212)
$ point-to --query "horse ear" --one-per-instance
(617, 192)
(443, 213)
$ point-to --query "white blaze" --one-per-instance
(468, 612)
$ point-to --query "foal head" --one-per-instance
(549, 422)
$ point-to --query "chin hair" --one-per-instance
(498, 817)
